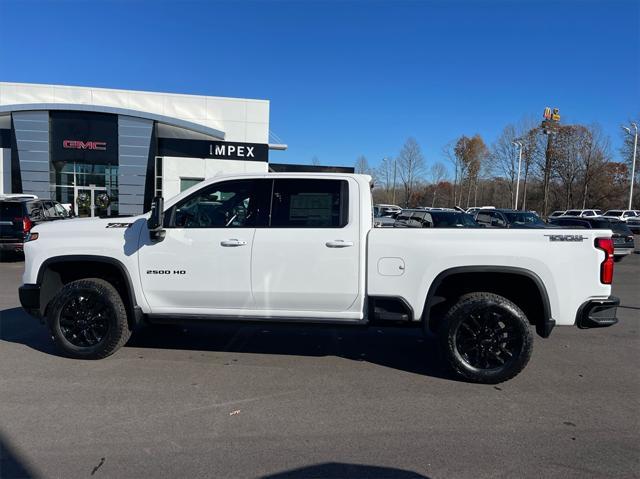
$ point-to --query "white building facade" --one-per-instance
(109, 152)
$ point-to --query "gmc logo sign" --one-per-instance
(84, 145)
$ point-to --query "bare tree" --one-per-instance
(504, 158)
(594, 155)
(626, 152)
(385, 175)
(471, 153)
(362, 166)
(315, 161)
(449, 153)
(410, 165)
(437, 173)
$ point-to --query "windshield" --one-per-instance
(453, 220)
(573, 213)
(524, 218)
(613, 213)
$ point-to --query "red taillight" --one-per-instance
(606, 267)
(27, 224)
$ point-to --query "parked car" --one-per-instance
(623, 241)
(582, 213)
(506, 218)
(556, 214)
(19, 214)
(440, 218)
(634, 223)
(305, 251)
(386, 210)
(383, 222)
(622, 215)
(17, 196)
(474, 209)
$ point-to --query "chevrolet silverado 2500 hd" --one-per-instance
(301, 247)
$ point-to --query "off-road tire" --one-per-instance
(468, 308)
(117, 333)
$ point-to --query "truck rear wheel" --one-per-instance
(88, 319)
(486, 338)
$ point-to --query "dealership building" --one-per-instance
(117, 149)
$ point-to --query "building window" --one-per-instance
(189, 182)
(158, 177)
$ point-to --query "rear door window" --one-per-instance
(484, 218)
(10, 211)
(306, 203)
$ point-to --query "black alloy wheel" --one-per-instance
(85, 319)
(88, 319)
(488, 339)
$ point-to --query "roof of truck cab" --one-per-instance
(362, 179)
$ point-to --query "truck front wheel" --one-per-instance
(88, 319)
(486, 338)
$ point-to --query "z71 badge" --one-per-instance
(567, 238)
(118, 225)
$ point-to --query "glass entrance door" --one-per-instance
(91, 201)
(88, 189)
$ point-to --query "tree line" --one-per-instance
(562, 167)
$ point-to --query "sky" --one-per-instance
(348, 78)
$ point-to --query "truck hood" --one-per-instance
(75, 225)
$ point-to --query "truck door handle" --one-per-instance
(232, 242)
(339, 244)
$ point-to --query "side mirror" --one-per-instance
(156, 219)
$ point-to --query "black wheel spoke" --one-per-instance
(84, 320)
(488, 340)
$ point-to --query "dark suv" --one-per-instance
(622, 236)
(505, 218)
(19, 214)
(434, 219)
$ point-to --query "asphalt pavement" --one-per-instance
(246, 401)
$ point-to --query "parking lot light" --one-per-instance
(633, 159)
(518, 143)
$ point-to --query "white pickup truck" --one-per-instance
(301, 247)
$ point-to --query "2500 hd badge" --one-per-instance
(166, 271)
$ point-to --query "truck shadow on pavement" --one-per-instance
(13, 466)
(339, 470)
(406, 349)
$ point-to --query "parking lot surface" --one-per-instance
(247, 401)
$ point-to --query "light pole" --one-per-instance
(519, 145)
(633, 159)
(394, 182)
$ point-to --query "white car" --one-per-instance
(622, 215)
(302, 247)
(581, 213)
(556, 213)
